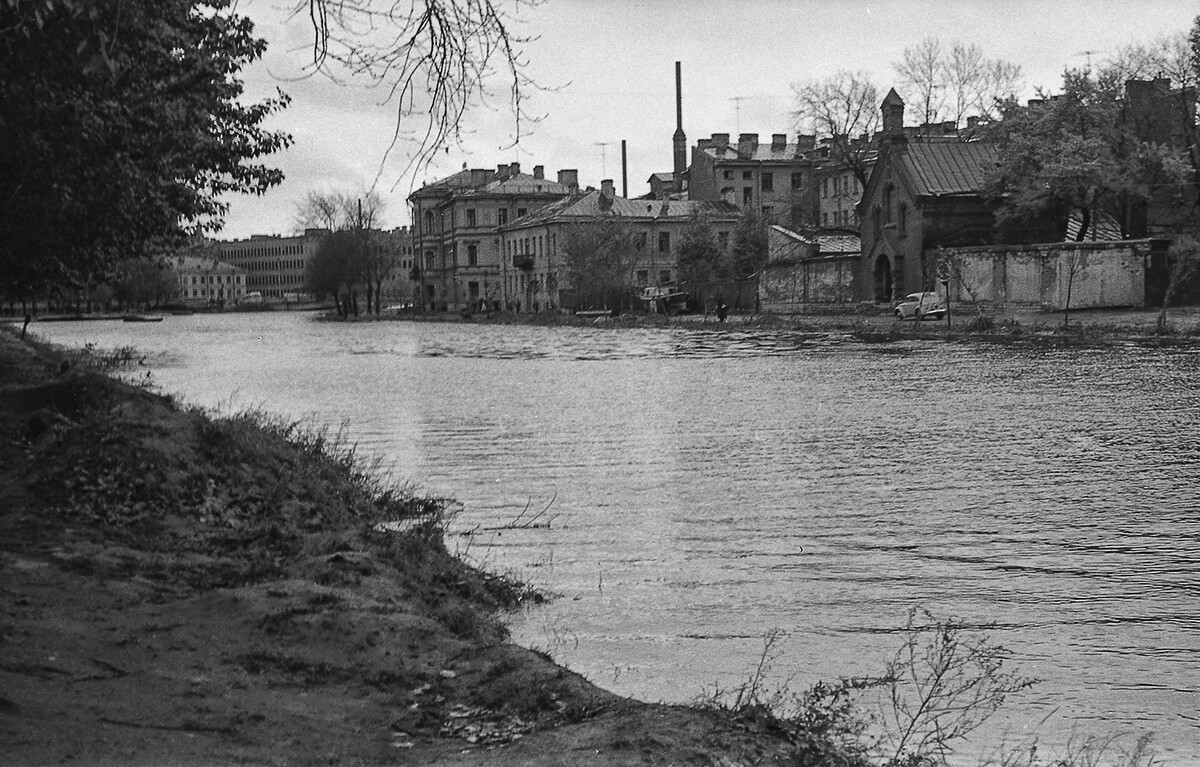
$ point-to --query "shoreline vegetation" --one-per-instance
(182, 588)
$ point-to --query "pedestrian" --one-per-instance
(722, 310)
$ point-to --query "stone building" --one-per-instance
(204, 280)
(456, 230)
(775, 178)
(534, 267)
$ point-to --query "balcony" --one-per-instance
(523, 261)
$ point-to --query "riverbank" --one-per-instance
(874, 323)
(180, 589)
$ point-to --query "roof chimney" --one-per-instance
(501, 172)
(514, 169)
(778, 142)
(747, 143)
(606, 188)
(720, 141)
(569, 178)
(539, 171)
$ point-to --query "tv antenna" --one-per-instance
(1089, 58)
(603, 156)
(737, 109)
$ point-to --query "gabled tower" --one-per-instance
(893, 113)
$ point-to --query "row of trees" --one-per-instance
(602, 257)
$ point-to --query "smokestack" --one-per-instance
(624, 173)
(680, 140)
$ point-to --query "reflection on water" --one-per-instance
(696, 490)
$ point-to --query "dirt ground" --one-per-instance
(181, 591)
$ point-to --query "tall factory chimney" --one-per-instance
(680, 141)
(624, 173)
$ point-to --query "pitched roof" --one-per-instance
(765, 151)
(586, 206)
(948, 167)
(468, 181)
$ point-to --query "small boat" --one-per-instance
(142, 318)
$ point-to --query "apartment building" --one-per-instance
(207, 281)
(456, 230)
(534, 271)
(776, 178)
(274, 265)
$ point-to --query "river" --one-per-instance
(685, 493)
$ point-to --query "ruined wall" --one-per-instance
(1093, 274)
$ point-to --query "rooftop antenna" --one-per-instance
(737, 107)
(1089, 58)
(603, 156)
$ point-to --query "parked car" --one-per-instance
(921, 306)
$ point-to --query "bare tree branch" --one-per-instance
(433, 57)
(842, 108)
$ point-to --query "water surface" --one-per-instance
(685, 493)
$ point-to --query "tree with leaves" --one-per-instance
(123, 128)
(700, 259)
(600, 257)
(748, 245)
(1074, 153)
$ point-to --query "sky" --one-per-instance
(605, 71)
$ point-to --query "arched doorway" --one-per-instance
(883, 279)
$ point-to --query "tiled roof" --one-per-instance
(839, 243)
(1103, 227)
(586, 205)
(523, 183)
(665, 178)
(764, 152)
(948, 167)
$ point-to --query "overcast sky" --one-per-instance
(608, 67)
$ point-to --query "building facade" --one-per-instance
(534, 272)
(456, 231)
(207, 281)
(274, 265)
(775, 179)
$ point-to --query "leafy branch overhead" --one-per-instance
(124, 126)
(433, 57)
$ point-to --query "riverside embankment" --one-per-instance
(184, 590)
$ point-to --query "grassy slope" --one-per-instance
(182, 590)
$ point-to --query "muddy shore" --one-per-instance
(183, 590)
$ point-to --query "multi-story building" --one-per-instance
(456, 230)
(207, 281)
(534, 270)
(776, 179)
(274, 265)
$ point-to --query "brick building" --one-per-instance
(776, 178)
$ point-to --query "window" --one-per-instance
(472, 254)
(903, 222)
(797, 182)
(723, 239)
(887, 204)
(747, 175)
(643, 277)
(502, 216)
(747, 195)
(473, 290)
(471, 217)
(664, 242)
(639, 241)
(768, 211)
(825, 188)
(664, 275)
(727, 174)
(522, 212)
(875, 216)
(767, 182)
(825, 219)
